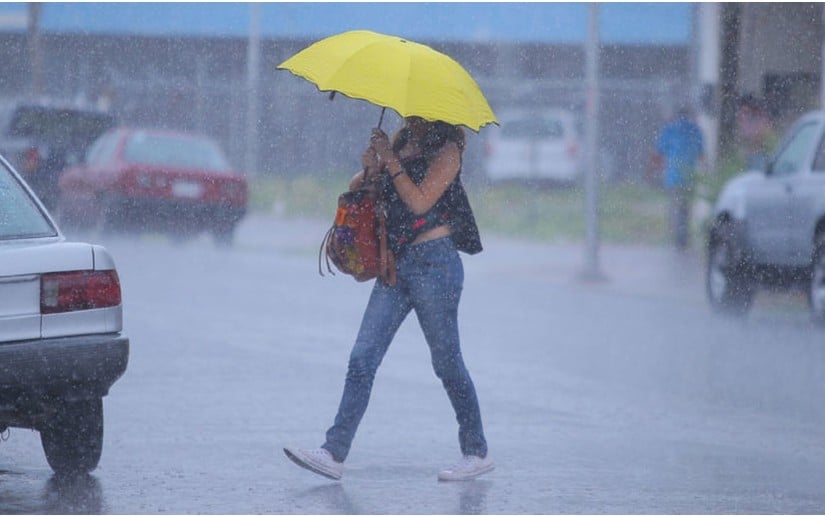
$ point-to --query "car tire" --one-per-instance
(816, 289)
(106, 222)
(729, 285)
(73, 438)
(224, 235)
(69, 217)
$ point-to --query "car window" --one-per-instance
(790, 159)
(533, 128)
(819, 160)
(103, 150)
(20, 216)
(68, 128)
(175, 151)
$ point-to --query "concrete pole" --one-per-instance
(252, 73)
(592, 269)
(708, 47)
(35, 52)
(822, 61)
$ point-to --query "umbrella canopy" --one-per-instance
(391, 72)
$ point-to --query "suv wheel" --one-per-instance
(730, 289)
(816, 291)
(73, 438)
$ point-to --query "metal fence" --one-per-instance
(200, 84)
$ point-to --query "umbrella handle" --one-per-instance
(332, 96)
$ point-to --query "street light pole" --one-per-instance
(35, 52)
(592, 270)
(252, 71)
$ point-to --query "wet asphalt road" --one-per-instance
(622, 396)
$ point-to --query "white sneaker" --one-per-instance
(469, 467)
(318, 461)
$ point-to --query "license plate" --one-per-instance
(187, 189)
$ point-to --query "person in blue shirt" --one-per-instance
(682, 148)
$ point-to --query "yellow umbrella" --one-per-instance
(391, 72)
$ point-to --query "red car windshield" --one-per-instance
(175, 151)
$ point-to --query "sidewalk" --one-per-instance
(646, 270)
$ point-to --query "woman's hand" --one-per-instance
(387, 160)
(369, 162)
(380, 143)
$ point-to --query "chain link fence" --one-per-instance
(200, 84)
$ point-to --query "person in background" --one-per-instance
(681, 146)
(754, 129)
(429, 220)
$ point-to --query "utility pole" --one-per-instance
(707, 44)
(252, 72)
(592, 269)
(822, 60)
(731, 17)
(35, 53)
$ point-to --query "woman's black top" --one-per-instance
(403, 226)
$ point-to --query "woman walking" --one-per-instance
(429, 220)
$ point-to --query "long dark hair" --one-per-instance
(438, 134)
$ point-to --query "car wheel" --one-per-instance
(224, 235)
(729, 285)
(105, 218)
(73, 438)
(69, 217)
(816, 291)
(64, 215)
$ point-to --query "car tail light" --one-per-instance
(78, 290)
(234, 190)
(572, 149)
(31, 160)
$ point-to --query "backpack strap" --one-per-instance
(323, 254)
(386, 259)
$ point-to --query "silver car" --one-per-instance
(768, 226)
(533, 146)
(62, 344)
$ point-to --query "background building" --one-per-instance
(211, 68)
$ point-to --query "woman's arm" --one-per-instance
(369, 174)
(443, 169)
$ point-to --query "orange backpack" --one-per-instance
(357, 241)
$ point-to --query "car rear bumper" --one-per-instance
(60, 368)
(177, 212)
(512, 170)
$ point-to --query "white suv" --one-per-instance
(61, 340)
(533, 146)
(768, 226)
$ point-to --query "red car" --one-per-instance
(152, 179)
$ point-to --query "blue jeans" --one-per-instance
(430, 277)
(680, 197)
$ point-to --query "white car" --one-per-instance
(533, 146)
(62, 344)
(768, 226)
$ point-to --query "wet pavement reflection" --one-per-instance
(24, 493)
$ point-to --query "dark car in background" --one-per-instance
(154, 180)
(41, 138)
(62, 345)
(768, 226)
